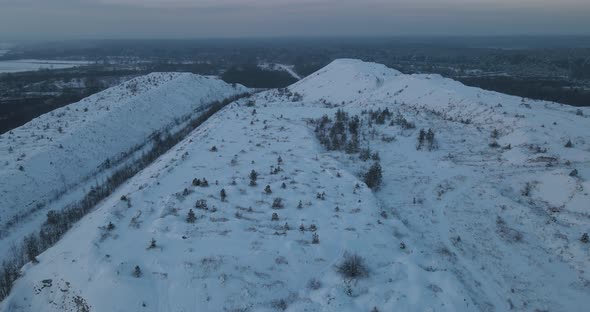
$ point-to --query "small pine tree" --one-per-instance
(375, 156)
(267, 189)
(111, 226)
(430, 139)
(205, 183)
(585, 239)
(279, 161)
(152, 244)
(283, 186)
(374, 176)
(495, 134)
(313, 227)
(253, 177)
(421, 139)
(275, 217)
(32, 248)
(365, 154)
(191, 218)
(302, 228)
(197, 182)
(137, 271)
(300, 205)
(569, 144)
(223, 195)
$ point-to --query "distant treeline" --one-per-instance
(253, 76)
(20, 102)
(556, 91)
(17, 112)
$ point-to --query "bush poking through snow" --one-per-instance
(314, 284)
(315, 239)
(280, 304)
(526, 190)
(353, 267)
(365, 154)
(201, 204)
(277, 203)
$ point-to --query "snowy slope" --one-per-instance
(53, 154)
(472, 238)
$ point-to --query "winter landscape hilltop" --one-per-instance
(358, 188)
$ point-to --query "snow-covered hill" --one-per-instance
(487, 215)
(74, 147)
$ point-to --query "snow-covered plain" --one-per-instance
(32, 65)
(55, 158)
(483, 228)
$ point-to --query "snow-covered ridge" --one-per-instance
(467, 226)
(58, 150)
(349, 81)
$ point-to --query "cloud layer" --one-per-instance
(254, 18)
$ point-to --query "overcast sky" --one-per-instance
(69, 19)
